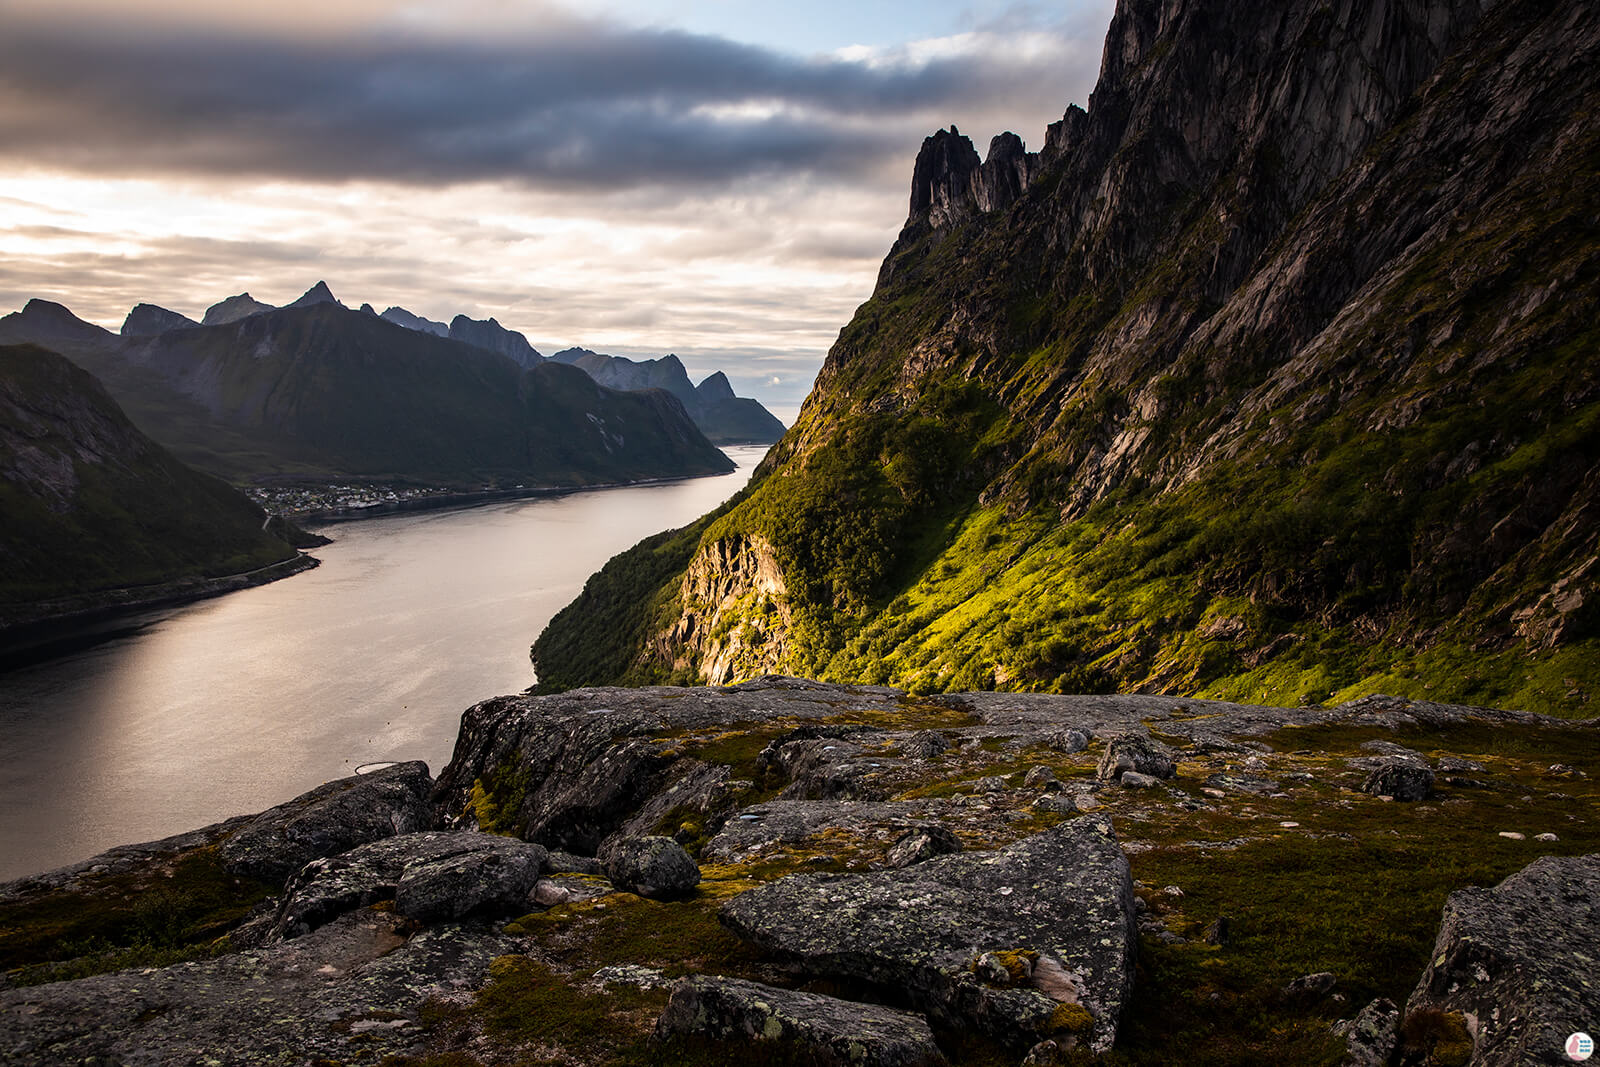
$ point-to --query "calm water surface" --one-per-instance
(235, 704)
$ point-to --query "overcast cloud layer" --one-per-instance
(633, 190)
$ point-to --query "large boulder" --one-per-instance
(1056, 909)
(1519, 962)
(332, 818)
(832, 1031)
(1402, 779)
(654, 867)
(1138, 753)
(430, 877)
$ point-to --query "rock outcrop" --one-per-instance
(334, 817)
(835, 1033)
(1013, 940)
(431, 877)
(1060, 905)
(1518, 962)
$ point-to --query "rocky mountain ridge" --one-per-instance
(722, 416)
(319, 392)
(1272, 374)
(811, 873)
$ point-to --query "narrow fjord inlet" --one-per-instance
(235, 704)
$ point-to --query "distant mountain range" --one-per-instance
(317, 391)
(723, 417)
(91, 504)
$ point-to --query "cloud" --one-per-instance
(579, 104)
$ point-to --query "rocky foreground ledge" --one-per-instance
(789, 872)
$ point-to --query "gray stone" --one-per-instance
(1370, 1038)
(430, 876)
(1064, 897)
(1138, 753)
(1069, 740)
(1231, 781)
(1041, 777)
(924, 744)
(654, 867)
(1401, 779)
(332, 818)
(1135, 780)
(489, 877)
(760, 828)
(1058, 803)
(548, 894)
(921, 844)
(832, 1031)
(991, 784)
(1310, 987)
(1519, 961)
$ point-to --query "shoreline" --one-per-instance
(42, 631)
(475, 497)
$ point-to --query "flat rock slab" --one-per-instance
(1521, 961)
(431, 877)
(332, 818)
(349, 992)
(1059, 905)
(762, 827)
(832, 1031)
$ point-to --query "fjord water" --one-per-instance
(232, 705)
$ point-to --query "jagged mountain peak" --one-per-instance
(233, 309)
(317, 294)
(147, 320)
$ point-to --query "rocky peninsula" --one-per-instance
(794, 872)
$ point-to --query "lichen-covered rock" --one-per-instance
(497, 879)
(1139, 753)
(351, 992)
(1041, 777)
(761, 828)
(831, 1031)
(921, 844)
(332, 818)
(430, 876)
(654, 867)
(1401, 778)
(1064, 897)
(1135, 780)
(1519, 961)
(1370, 1038)
(924, 744)
(1233, 782)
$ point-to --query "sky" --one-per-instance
(713, 178)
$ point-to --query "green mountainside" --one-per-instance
(91, 504)
(318, 391)
(1274, 376)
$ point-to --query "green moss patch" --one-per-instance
(160, 914)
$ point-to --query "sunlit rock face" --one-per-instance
(1267, 375)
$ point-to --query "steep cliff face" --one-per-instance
(1274, 372)
(91, 504)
